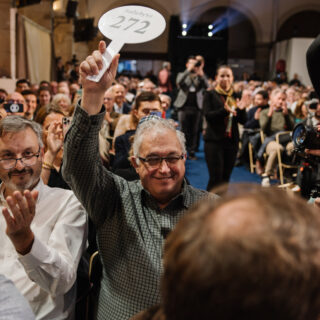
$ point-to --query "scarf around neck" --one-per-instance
(230, 101)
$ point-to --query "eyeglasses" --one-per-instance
(28, 160)
(155, 162)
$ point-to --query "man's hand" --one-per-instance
(191, 65)
(314, 152)
(257, 114)
(92, 94)
(230, 110)
(244, 102)
(271, 109)
(284, 109)
(23, 209)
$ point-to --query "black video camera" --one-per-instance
(307, 137)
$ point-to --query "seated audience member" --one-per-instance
(44, 83)
(54, 87)
(145, 103)
(120, 105)
(31, 102)
(111, 118)
(295, 81)
(260, 103)
(22, 84)
(252, 125)
(164, 81)
(45, 232)
(51, 121)
(292, 98)
(251, 255)
(63, 102)
(300, 111)
(44, 95)
(132, 218)
(148, 85)
(12, 104)
(275, 119)
(13, 306)
(63, 87)
(166, 105)
(3, 95)
(129, 96)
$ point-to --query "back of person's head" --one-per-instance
(252, 255)
(145, 96)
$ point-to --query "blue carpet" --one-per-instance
(197, 172)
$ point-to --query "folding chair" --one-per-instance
(282, 166)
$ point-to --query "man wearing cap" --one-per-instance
(132, 218)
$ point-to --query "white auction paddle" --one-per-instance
(127, 24)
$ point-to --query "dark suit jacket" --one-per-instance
(215, 114)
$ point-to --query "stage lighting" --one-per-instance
(184, 26)
(210, 34)
(210, 26)
(184, 33)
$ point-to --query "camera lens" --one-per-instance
(305, 137)
(299, 136)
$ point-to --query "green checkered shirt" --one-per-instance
(131, 229)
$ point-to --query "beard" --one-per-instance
(21, 180)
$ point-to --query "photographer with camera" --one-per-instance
(189, 83)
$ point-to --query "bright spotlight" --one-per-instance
(210, 34)
(210, 26)
(184, 26)
(184, 33)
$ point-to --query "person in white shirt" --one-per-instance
(43, 230)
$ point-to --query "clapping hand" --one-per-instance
(55, 137)
(22, 207)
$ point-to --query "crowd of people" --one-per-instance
(105, 162)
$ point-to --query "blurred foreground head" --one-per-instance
(254, 254)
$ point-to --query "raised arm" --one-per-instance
(82, 168)
(93, 92)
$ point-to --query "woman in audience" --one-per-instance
(301, 111)
(63, 102)
(51, 121)
(222, 114)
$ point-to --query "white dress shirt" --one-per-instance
(46, 275)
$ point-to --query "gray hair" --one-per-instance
(58, 97)
(156, 125)
(15, 124)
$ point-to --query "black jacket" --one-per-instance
(215, 114)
